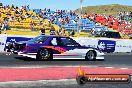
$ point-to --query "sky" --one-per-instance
(62, 4)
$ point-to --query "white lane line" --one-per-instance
(109, 67)
(56, 66)
(83, 66)
(59, 80)
(25, 84)
(123, 68)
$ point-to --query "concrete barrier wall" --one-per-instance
(122, 45)
(106, 44)
(3, 39)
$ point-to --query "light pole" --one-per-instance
(80, 13)
(81, 1)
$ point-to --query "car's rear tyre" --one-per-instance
(91, 55)
(81, 80)
(44, 54)
(9, 47)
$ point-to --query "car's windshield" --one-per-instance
(39, 39)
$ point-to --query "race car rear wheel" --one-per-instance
(9, 47)
(91, 55)
(44, 54)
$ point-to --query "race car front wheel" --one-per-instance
(44, 54)
(90, 55)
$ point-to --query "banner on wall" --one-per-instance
(106, 45)
(16, 39)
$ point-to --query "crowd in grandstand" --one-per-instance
(23, 17)
(67, 19)
(125, 16)
(118, 23)
(59, 16)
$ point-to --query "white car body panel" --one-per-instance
(71, 54)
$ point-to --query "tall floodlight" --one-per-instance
(80, 13)
(81, 1)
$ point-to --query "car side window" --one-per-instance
(68, 42)
(39, 39)
(54, 42)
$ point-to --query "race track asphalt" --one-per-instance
(118, 60)
(122, 60)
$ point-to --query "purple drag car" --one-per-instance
(45, 47)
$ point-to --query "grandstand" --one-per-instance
(21, 18)
(67, 19)
(113, 22)
(25, 19)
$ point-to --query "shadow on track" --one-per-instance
(31, 59)
(25, 58)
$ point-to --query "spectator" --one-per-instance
(27, 8)
(32, 26)
(92, 31)
(63, 32)
(52, 32)
(0, 30)
(12, 6)
(4, 27)
(42, 31)
(72, 33)
(57, 33)
(131, 14)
